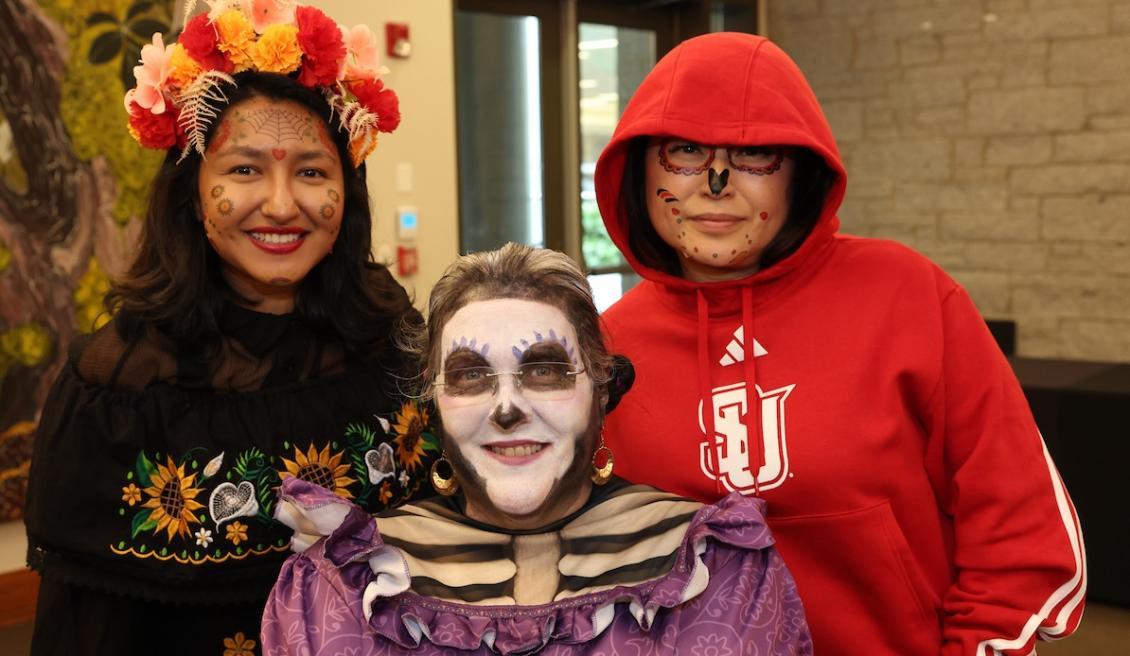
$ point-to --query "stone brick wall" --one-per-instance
(993, 136)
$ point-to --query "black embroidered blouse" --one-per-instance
(156, 465)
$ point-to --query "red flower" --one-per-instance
(154, 130)
(199, 39)
(383, 102)
(323, 49)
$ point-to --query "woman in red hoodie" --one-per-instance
(849, 382)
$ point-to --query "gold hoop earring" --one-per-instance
(444, 484)
(602, 473)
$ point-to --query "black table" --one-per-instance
(1083, 411)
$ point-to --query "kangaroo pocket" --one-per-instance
(863, 592)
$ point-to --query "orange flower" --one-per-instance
(172, 499)
(385, 494)
(410, 424)
(320, 468)
(237, 38)
(185, 69)
(238, 645)
(277, 50)
(131, 494)
(237, 532)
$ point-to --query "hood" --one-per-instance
(723, 88)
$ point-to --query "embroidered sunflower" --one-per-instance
(131, 494)
(172, 498)
(237, 532)
(385, 494)
(238, 645)
(410, 424)
(320, 468)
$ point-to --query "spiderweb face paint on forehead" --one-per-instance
(523, 348)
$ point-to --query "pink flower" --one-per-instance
(363, 59)
(151, 76)
(265, 13)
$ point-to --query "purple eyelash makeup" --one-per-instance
(520, 353)
(470, 345)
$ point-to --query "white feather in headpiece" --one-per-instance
(200, 104)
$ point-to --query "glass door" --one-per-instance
(498, 83)
(612, 61)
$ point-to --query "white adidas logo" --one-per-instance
(735, 350)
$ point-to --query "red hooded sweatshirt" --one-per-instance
(907, 485)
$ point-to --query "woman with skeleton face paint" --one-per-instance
(533, 545)
(850, 383)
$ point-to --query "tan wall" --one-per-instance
(993, 136)
(425, 139)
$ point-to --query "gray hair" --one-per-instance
(520, 272)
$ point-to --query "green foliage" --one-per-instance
(597, 247)
(105, 45)
(144, 468)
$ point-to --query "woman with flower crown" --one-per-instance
(250, 344)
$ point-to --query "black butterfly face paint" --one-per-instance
(718, 207)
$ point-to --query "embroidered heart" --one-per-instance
(380, 463)
(279, 153)
(228, 501)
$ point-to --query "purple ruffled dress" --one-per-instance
(638, 572)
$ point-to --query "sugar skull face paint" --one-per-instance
(517, 411)
(270, 191)
(718, 207)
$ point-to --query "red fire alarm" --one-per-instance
(397, 42)
(407, 261)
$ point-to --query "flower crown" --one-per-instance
(179, 87)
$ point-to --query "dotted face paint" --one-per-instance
(718, 207)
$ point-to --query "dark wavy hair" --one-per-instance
(175, 283)
(812, 180)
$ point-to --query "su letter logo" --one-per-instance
(730, 442)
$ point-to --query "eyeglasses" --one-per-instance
(537, 381)
(690, 158)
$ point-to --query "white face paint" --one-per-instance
(517, 446)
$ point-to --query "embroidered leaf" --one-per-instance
(429, 442)
(249, 463)
(144, 469)
(266, 500)
(142, 521)
(364, 433)
(200, 104)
